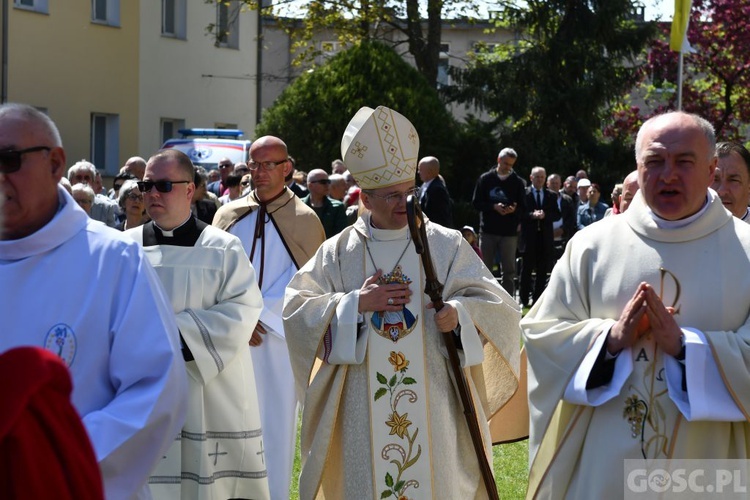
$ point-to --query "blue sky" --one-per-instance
(656, 8)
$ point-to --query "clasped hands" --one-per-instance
(504, 209)
(645, 313)
(392, 297)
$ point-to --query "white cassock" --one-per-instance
(213, 291)
(87, 293)
(273, 371)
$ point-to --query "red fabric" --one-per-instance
(44, 449)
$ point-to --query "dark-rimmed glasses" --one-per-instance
(161, 186)
(320, 181)
(265, 165)
(10, 161)
(392, 198)
(245, 183)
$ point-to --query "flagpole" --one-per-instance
(679, 82)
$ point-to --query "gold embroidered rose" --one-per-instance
(399, 361)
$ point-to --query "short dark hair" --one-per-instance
(724, 149)
(183, 160)
(233, 180)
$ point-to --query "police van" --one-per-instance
(207, 146)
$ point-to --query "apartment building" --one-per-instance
(121, 76)
(460, 40)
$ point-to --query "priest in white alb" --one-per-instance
(212, 288)
(87, 293)
(279, 233)
(639, 347)
(382, 418)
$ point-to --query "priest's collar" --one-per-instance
(674, 224)
(377, 234)
(171, 233)
(184, 235)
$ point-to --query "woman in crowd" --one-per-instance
(132, 205)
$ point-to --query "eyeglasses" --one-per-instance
(395, 197)
(10, 161)
(245, 183)
(161, 186)
(225, 165)
(265, 165)
(321, 181)
(135, 196)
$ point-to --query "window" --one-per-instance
(330, 48)
(33, 5)
(443, 78)
(173, 19)
(105, 142)
(106, 12)
(169, 128)
(228, 25)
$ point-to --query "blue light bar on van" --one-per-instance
(211, 132)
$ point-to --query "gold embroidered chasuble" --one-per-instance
(577, 451)
(384, 416)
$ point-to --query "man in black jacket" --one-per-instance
(434, 198)
(499, 197)
(536, 228)
(562, 229)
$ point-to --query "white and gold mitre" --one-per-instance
(380, 148)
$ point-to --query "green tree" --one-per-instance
(716, 75)
(312, 113)
(551, 90)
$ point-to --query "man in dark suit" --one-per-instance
(540, 212)
(564, 228)
(434, 198)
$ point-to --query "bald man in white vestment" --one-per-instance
(639, 347)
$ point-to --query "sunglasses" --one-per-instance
(245, 183)
(10, 161)
(161, 186)
(321, 181)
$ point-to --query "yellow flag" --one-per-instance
(678, 37)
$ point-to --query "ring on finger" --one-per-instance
(390, 301)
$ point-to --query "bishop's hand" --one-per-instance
(374, 296)
(446, 318)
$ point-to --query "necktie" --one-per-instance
(538, 199)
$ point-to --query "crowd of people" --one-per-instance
(232, 298)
